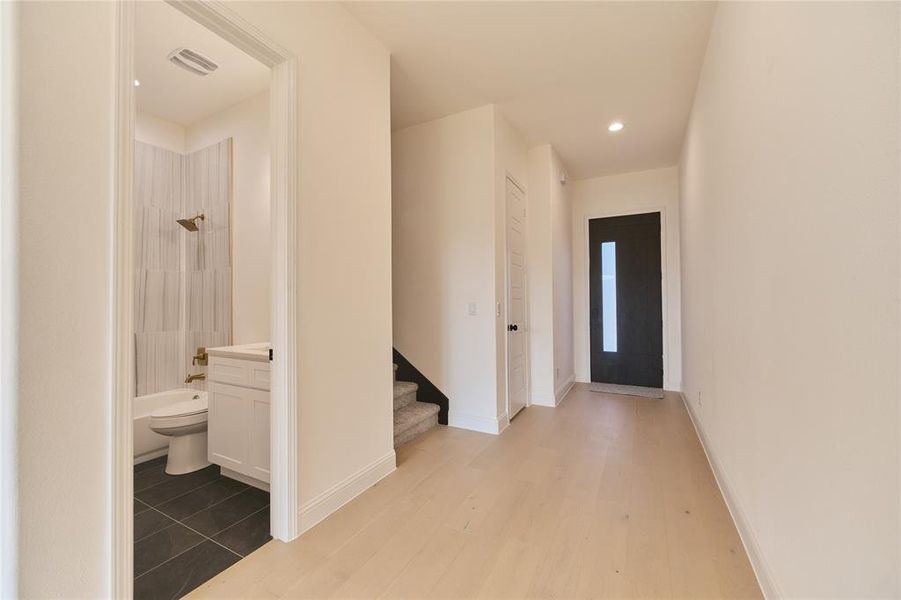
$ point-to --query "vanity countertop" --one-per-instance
(259, 351)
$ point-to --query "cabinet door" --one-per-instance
(230, 411)
(259, 436)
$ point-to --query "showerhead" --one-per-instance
(191, 224)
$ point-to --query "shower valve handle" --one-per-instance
(200, 357)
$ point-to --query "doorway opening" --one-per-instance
(204, 421)
(626, 304)
(201, 306)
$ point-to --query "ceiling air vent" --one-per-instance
(192, 61)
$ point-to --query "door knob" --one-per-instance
(512, 327)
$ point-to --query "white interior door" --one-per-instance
(517, 350)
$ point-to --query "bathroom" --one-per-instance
(202, 266)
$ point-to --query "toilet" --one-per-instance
(185, 424)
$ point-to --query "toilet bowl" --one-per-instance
(185, 424)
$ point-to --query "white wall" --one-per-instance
(65, 201)
(159, 132)
(247, 123)
(443, 252)
(643, 191)
(549, 278)
(449, 203)
(344, 240)
(65, 205)
(790, 254)
(540, 278)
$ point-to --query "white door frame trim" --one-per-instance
(504, 420)
(284, 156)
(9, 294)
(586, 320)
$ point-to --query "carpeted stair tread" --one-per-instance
(404, 387)
(413, 413)
(413, 419)
(404, 393)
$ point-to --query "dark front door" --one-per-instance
(626, 303)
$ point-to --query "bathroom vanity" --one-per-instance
(238, 435)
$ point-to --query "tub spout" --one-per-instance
(195, 377)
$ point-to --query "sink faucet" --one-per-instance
(195, 377)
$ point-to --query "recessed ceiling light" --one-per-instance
(615, 126)
(137, 83)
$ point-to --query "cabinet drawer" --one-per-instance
(244, 373)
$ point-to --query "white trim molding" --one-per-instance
(319, 508)
(758, 563)
(283, 421)
(122, 326)
(462, 420)
(9, 192)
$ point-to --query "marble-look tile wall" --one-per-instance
(208, 278)
(182, 279)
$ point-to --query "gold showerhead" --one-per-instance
(191, 224)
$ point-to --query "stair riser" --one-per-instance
(404, 400)
(416, 430)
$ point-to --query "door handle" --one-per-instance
(512, 327)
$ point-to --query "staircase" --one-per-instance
(411, 418)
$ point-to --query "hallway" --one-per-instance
(604, 496)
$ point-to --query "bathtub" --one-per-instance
(147, 443)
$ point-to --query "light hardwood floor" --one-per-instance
(604, 496)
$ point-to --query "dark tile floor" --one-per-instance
(191, 527)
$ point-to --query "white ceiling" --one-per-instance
(174, 94)
(559, 71)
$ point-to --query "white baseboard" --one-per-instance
(553, 399)
(563, 390)
(761, 570)
(503, 422)
(494, 425)
(545, 399)
(672, 386)
(320, 507)
(261, 485)
(147, 456)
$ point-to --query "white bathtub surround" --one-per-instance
(158, 263)
(184, 422)
(239, 383)
(182, 279)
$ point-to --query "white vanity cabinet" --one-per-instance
(238, 422)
